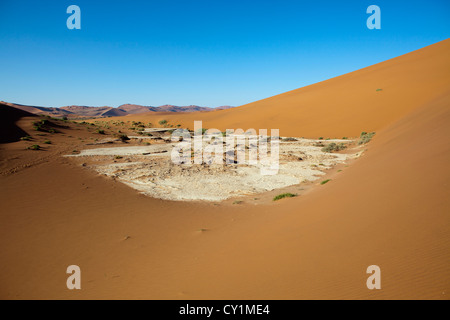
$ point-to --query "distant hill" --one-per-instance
(54, 112)
(77, 112)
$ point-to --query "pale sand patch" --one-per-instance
(125, 151)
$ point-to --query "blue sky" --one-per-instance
(208, 53)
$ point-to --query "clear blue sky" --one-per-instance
(208, 53)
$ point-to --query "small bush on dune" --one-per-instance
(43, 125)
(26, 138)
(365, 137)
(325, 181)
(334, 147)
(100, 131)
(284, 195)
(47, 142)
(34, 147)
(162, 122)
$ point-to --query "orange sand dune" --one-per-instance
(389, 208)
(342, 106)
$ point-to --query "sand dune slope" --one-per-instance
(390, 209)
(9, 131)
(342, 106)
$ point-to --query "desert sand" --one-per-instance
(390, 207)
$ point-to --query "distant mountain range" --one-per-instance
(76, 112)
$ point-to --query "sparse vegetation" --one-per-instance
(43, 125)
(124, 137)
(237, 202)
(100, 131)
(26, 138)
(284, 195)
(325, 181)
(289, 139)
(34, 147)
(47, 142)
(118, 157)
(365, 137)
(334, 147)
(162, 122)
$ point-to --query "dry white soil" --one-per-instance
(150, 170)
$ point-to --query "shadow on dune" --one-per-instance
(9, 131)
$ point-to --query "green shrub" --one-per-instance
(365, 137)
(100, 131)
(47, 142)
(162, 122)
(325, 181)
(334, 147)
(34, 147)
(284, 195)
